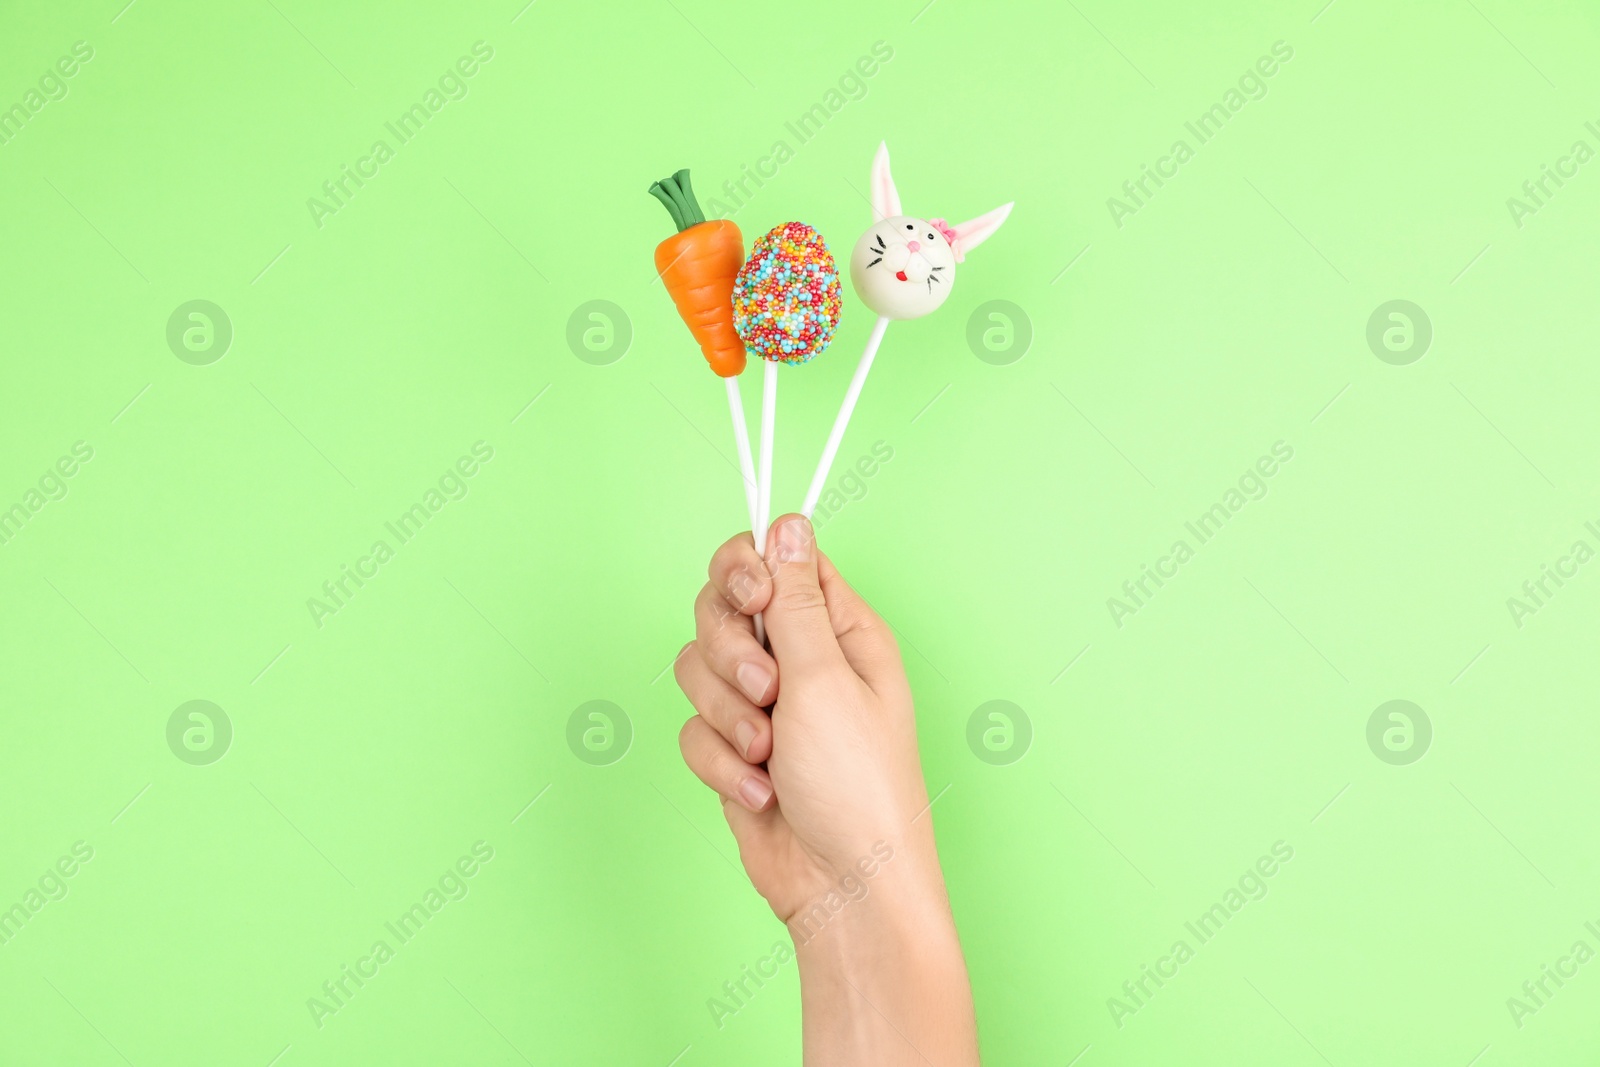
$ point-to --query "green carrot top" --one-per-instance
(677, 196)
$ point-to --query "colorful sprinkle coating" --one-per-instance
(786, 299)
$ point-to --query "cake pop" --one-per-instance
(903, 267)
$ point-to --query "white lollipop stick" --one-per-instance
(769, 420)
(846, 409)
(747, 470)
(741, 436)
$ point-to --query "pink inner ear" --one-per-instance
(974, 232)
(885, 197)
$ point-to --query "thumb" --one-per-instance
(797, 614)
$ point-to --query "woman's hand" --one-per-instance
(840, 747)
(835, 832)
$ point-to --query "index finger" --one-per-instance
(740, 576)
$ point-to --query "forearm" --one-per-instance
(883, 981)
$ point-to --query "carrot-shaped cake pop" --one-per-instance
(698, 265)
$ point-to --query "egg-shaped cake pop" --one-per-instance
(786, 298)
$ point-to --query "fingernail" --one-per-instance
(744, 736)
(753, 680)
(792, 542)
(755, 792)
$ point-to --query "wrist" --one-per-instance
(882, 977)
(890, 897)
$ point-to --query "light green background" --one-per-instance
(1229, 713)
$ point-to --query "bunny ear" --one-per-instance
(885, 197)
(974, 232)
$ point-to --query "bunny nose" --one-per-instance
(913, 246)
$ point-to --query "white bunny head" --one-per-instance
(905, 266)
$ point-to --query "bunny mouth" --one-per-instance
(930, 278)
(904, 264)
(911, 266)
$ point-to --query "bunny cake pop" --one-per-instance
(904, 266)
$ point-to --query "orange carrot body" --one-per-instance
(698, 267)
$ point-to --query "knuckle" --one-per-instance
(722, 642)
(712, 613)
(743, 585)
(800, 597)
(680, 665)
(726, 773)
(878, 633)
(726, 558)
(717, 618)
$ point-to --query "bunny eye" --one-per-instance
(930, 236)
(908, 226)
